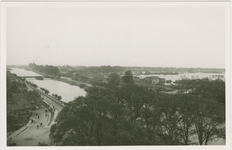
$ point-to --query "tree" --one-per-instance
(48, 69)
(114, 79)
(186, 120)
(214, 90)
(170, 117)
(42, 144)
(208, 119)
(128, 78)
(97, 119)
(55, 95)
(150, 115)
(134, 115)
(46, 91)
(59, 97)
(10, 142)
(11, 88)
(33, 97)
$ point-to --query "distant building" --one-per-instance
(154, 80)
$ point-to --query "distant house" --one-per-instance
(154, 80)
(19, 105)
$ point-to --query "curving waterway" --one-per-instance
(22, 72)
(66, 91)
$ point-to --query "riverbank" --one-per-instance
(31, 135)
(38, 130)
(80, 84)
(61, 103)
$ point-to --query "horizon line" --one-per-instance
(131, 66)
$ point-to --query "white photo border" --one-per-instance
(226, 5)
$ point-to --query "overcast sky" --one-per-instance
(126, 36)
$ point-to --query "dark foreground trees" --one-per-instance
(133, 115)
(128, 77)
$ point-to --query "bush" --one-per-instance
(42, 144)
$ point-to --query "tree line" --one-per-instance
(127, 114)
(101, 69)
(204, 87)
(47, 69)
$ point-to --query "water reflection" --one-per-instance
(66, 91)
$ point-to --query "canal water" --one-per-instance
(66, 91)
(22, 72)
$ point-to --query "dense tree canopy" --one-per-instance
(102, 69)
(134, 115)
(114, 79)
(48, 69)
(128, 78)
(205, 88)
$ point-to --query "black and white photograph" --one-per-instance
(128, 74)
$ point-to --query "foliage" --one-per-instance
(57, 96)
(42, 144)
(128, 78)
(114, 79)
(102, 69)
(206, 88)
(134, 115)
(10, 142)
(45, 90)
(48, 69)
(207, 118)
(11, 88)
(32, 84)
(33, 97)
